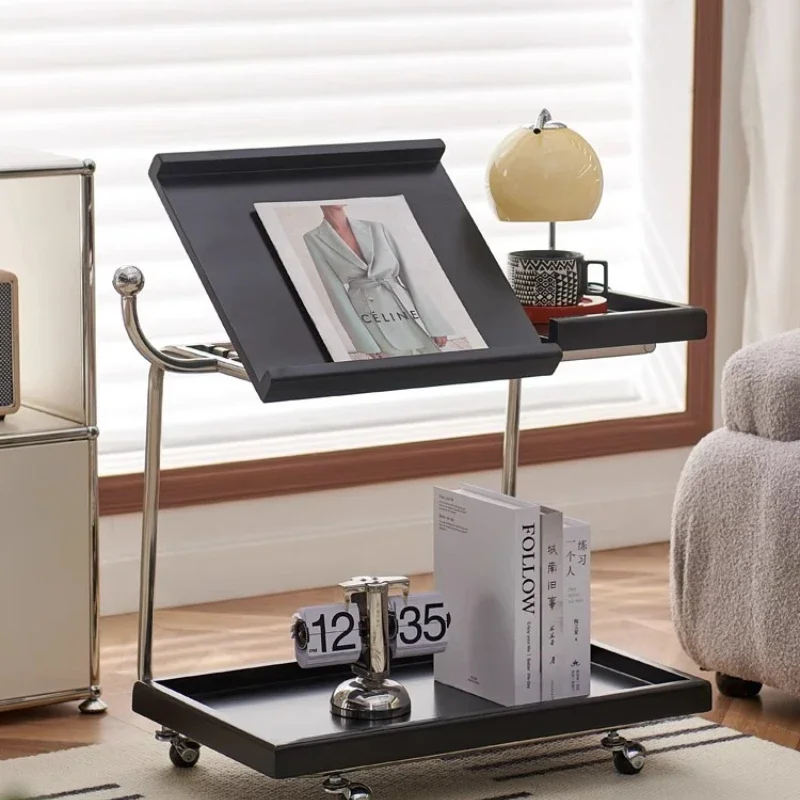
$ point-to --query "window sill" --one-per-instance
(243, 480)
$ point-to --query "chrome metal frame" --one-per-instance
(93, 704)
(46, 172)
(35, 700)
(129, 282)
(511, 438)
(87, 431)
(76, 434)
(514, 403)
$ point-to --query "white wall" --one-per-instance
(279, 544)
(300, 541)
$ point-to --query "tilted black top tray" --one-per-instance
(210, 199)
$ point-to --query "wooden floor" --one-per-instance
(631, 612)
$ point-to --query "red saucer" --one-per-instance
(540, 316)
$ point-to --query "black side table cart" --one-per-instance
(276, 718)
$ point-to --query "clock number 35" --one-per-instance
(428, 622)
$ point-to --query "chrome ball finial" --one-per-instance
(128, 281)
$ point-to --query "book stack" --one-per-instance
(515, 575)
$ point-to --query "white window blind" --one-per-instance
(120, 80)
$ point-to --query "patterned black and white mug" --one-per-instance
(553, 277)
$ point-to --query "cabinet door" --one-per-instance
(44, 569)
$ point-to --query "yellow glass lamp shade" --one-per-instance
(545, 173)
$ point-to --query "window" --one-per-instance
(120, 80)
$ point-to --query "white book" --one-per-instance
(576, 564)
(552, 602)
(487, 551)
(528, 627)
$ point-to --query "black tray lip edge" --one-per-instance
(598, 648)
(155, 689)
(279, 384)
(545, 352)
(430, 151)
(685, 677)
(688, 315)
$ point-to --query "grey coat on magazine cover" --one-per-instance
(376, 300)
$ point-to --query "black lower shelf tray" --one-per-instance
(276, 718)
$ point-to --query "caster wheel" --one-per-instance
(184, 754)
(736, 687)
(629, 763)
(360, 792)
(338, 785)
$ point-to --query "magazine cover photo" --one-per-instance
(368, 278)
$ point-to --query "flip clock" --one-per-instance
(367, 631)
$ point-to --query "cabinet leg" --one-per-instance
(93, 704)
(628, 757)
(337, 784)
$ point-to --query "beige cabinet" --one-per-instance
(49, 648)
(45, 557)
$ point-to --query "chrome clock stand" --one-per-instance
(371, 694)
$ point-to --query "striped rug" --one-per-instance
(687, 758)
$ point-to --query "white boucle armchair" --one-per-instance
(735, 557)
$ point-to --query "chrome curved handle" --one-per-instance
(129, 282)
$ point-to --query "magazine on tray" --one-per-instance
(368, 277)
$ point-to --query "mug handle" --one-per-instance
(596, 288)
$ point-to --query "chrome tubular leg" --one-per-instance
(93, 704)
(511, 438)
(152, 476)
(128, 283)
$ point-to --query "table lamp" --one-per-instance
(547, 172)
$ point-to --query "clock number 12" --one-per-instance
(323, 632)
